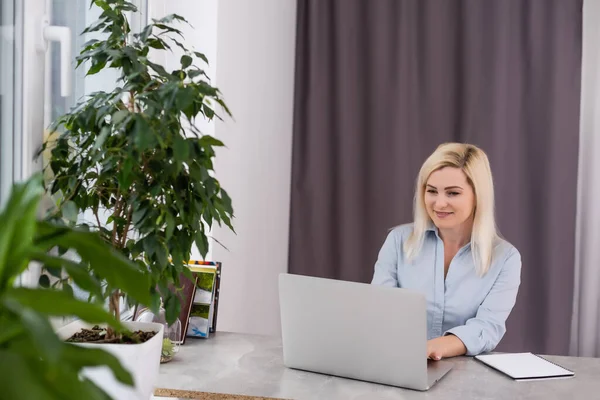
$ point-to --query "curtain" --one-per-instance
(380, 84)
(585, 339)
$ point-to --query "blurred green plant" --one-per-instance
(168, 350)
(35, 363)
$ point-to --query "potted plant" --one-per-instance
(133, 159)
(36, 363)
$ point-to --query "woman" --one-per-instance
(452, 253)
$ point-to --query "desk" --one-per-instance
(253, 365)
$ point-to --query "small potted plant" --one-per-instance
(36, 363)
(133, 160)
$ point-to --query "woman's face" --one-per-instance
(449, 198)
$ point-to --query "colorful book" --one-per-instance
(203, 313)
(186, 297)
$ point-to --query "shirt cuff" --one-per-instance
(469, 337)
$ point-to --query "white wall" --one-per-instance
(254, 43)
(200, 35)
(255, 72)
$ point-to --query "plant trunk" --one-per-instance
(113, 301)
(113, 306)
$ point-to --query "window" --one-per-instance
(39, 40)
(77, 15)
(9, 89)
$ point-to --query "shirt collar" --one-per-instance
(432, 228)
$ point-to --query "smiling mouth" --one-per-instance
(442, 214)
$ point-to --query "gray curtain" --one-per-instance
(379, 84)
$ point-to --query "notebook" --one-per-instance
(525, 366)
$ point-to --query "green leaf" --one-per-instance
(104, 132)
(90, 43)
(38, 328)
(172, 308)
(11, 329)
(70, 387)
(211, 187)
(159, 69)
(119, 116)
(222, 104)
(127, 6)
(70, 211)
(186, 61)
(106, 262)
(55, 272)
(202, 243)
(208, 111)
(155, 303)
(73, 183)
(96, 67)
(185, 97)
(44, 281)
(96, 26)
(180, 148)
(67, 289)
(179, 44)
(156, 189)
(227, 205)
(170, 18)
(206, 215)
(157, 44)
(18, 221)
(198, 172)
(19, 380)
(150, 245)
(60, 304)
(170, 220)
(169, 29)
(201, 56)
(143, 136)
(146, 32)
(228, 222)
(210, 141)
(125, 174)
(196, 72)
(61, 379)
(161, 255)
(78, 272)
(178, 260)
(138, 215)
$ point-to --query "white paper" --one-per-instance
(202, 297)
(524, 366)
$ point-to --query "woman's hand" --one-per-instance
(444, 347)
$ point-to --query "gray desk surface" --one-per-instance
(252, 365)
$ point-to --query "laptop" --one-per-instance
(354, 330)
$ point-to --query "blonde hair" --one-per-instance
(474, 163)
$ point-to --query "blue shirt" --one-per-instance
(471, 307)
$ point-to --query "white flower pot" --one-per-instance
(141, 360)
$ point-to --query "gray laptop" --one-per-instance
(355, 330)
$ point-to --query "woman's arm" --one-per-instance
(386, 267)
(482, 333)
(444, 347)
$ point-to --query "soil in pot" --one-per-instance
(98, 334)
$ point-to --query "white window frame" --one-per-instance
(31, 96)
(10, 85)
